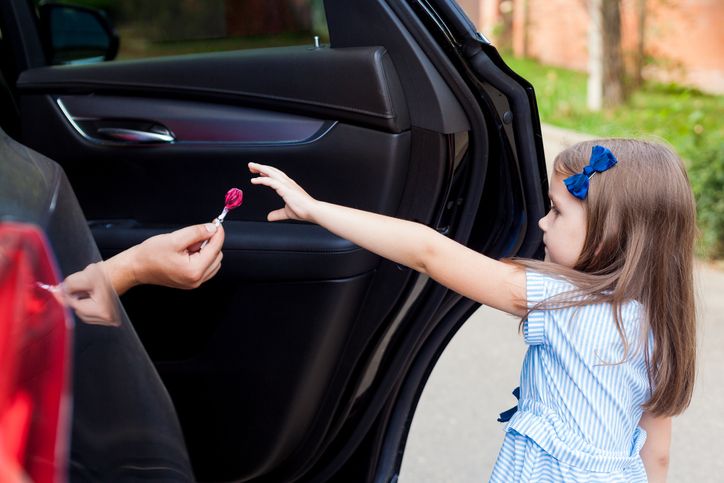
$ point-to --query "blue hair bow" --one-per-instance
(601, 160)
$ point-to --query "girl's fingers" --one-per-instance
(274, 184)
(254, 167)
(278, 215)
(284, 186)
(259, 168)
(266, 170)
(266, 174)
(278, 172)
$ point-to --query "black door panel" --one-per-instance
(358, 85)
(248, 363)
(185, 183)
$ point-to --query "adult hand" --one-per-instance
(173, 259)
(298, 204)
(90, 294)
(176, 260)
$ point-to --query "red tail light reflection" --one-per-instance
(35, 338)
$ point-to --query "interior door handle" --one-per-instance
(136, 135)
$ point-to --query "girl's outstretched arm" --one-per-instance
(414, 245)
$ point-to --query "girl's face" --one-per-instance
(564, 227)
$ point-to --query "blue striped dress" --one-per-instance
(579, 408)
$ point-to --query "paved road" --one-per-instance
(455, 437)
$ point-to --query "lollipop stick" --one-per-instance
(233, 200)
(217, 221)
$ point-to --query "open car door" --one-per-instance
(302, 360)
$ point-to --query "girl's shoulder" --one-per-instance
(561, 314)
(552, 291)
(543, 286)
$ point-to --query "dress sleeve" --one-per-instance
(536, 291)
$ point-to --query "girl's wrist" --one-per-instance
(314, 210)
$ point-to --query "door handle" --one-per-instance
(136, 135)
(117, 131)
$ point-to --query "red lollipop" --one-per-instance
(234, 197)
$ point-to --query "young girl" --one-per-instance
(609, 314)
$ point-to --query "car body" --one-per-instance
(303, 359)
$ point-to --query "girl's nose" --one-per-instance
(542, 222)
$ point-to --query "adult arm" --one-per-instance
(172, 259)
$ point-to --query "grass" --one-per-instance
(688, 119)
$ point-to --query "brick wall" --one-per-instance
(685, 37)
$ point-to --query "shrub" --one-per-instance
(706, 173)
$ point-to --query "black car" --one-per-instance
(303, 359)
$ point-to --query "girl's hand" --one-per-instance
(298, 204)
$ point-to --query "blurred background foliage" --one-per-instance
(689, 120)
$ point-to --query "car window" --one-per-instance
(175, 27)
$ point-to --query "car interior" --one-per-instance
(301, 342)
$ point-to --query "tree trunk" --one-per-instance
(595, 56)
(605, 61)
(638, 77)
(613, 71)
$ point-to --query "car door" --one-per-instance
(303, 358)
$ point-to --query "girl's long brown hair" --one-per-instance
(639, 245)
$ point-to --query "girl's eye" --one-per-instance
(554, 210)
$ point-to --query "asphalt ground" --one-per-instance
(455, 436)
